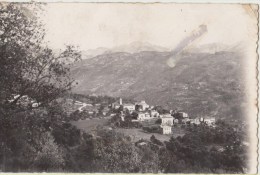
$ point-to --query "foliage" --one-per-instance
(113, 152)
(208, 150)
(29, 68)
(92, 99)
(156, 141)
(161, 110)
(50, 157)
(66, 134)
(158, 121)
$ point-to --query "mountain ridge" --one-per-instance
(200, 83)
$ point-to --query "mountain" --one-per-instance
(203, 84)
(93, 52)
(209, 48)
(134, 47)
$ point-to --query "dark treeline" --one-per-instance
(67, 149)
(91, 98)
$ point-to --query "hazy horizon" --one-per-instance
(94, 25)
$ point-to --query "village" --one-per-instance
(152, 119)
(141, 112)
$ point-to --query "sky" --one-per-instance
(93, 25)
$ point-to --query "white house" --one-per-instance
(195, 121)
(210, 121)
(142, 105)
(166, 115)
(167, 123)
(129, 106)
(166, 129)
(167, 120)
(183, 114)
(35, 105)
(141, 116)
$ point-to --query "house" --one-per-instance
(92, 111)
(115, 105)
(195, 121)
(142, 106)
(112, 115)
(165, 129)
(183, 114)
(24, 100)
(151, 107)
(35, 105)
(167, 123)
(167, 119)
(141, 116)
(210, 121)
(141, 143)
(186, 120)
(129, 106)
(165, 115)
(105, 110)
(154, 113)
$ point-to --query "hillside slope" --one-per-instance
(202, 84)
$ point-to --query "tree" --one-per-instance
(28, 68)
(154, 140)
(50, 157)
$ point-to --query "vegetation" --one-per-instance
(195, 152)
(91, 99)
(208, 150)
(29, 67)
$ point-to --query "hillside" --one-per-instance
(203, 84)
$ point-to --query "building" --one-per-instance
(183, 114)
(167, 119)
(210, 121)
(167, 123)
(186, 120)
(166, 129)
(35, 105)
(105, 111)
(129, 106)
(142, 106)
(165, 115)
(141, 116)
(115, 105)
(154, 113)
(195, 121)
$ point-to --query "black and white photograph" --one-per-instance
(128, 87)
